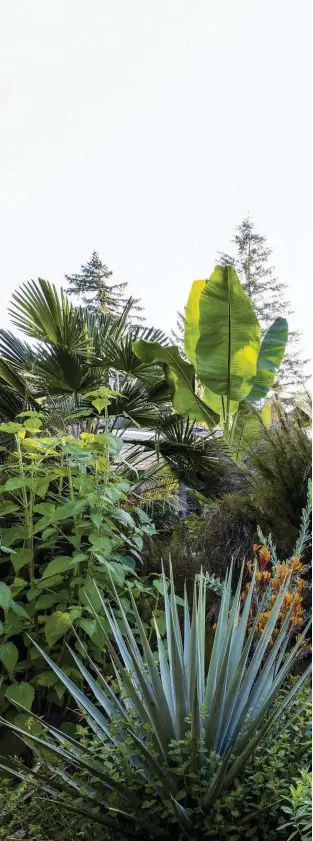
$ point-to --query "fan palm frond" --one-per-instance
(18, 354)
(43, 313)
(59, 371)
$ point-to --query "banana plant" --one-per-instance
(226, 355)
(171, 702)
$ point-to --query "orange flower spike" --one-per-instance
(265, 556)
(295, 564)
(300, 584)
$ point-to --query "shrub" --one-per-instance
(68, 521)
(173, 735)
(299, 810)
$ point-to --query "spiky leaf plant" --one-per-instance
(184, 733)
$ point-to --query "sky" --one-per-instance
(146, 131)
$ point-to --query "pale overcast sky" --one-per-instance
(146, 130)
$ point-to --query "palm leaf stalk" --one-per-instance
(222, 713)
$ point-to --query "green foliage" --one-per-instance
(81, 353)
(96, 291)
(222, 344)
(251, 808)
(299, 808)
(189, 731)
(68, 523)
(269, 297)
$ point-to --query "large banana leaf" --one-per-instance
(270, 357)
(180, 375)
(192, 321)
(229, 335)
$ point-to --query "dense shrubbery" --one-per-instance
(173, 736)
(169, 725)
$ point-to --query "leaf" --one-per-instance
(159, 585)
(180, 376)
(270, 357)
(21, 557)
(33, 424)
(47, 678)
(99, 404)
(192, 321)
(9, 656)
(267, 414)
(100, 543)
(18, 609)
(8, 507)
(11, 427)
(56, 626)
(94, 631)
(229, 341)
(138, 541)
(28, 723)
(47, 600)
(5, 596)
(18, 585)
(60, 564)
(90, 594)
(96, 519)
(15, 483)
(21, 693)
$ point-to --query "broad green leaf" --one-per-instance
(15, 483)
(47, 678)
(5, 596)
(99, 404)
(8, 507)
(158, 583)
(56, 626)
(20, 558)
(94, 631)
(60, 564)
(28, 723)
(47, 600)
(11, 535)
(180, 376)
(17, 608)
(218, 403)
(21, 694)
(10, 427)
(33, 424)
(100, 542)
(192, 321)
(96, 519)
(90, 594)
(229, 342)
(270, 357)
(9, 657)
(69, 509)
(267, 414)
(18, 585)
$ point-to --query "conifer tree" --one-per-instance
(95, 290)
